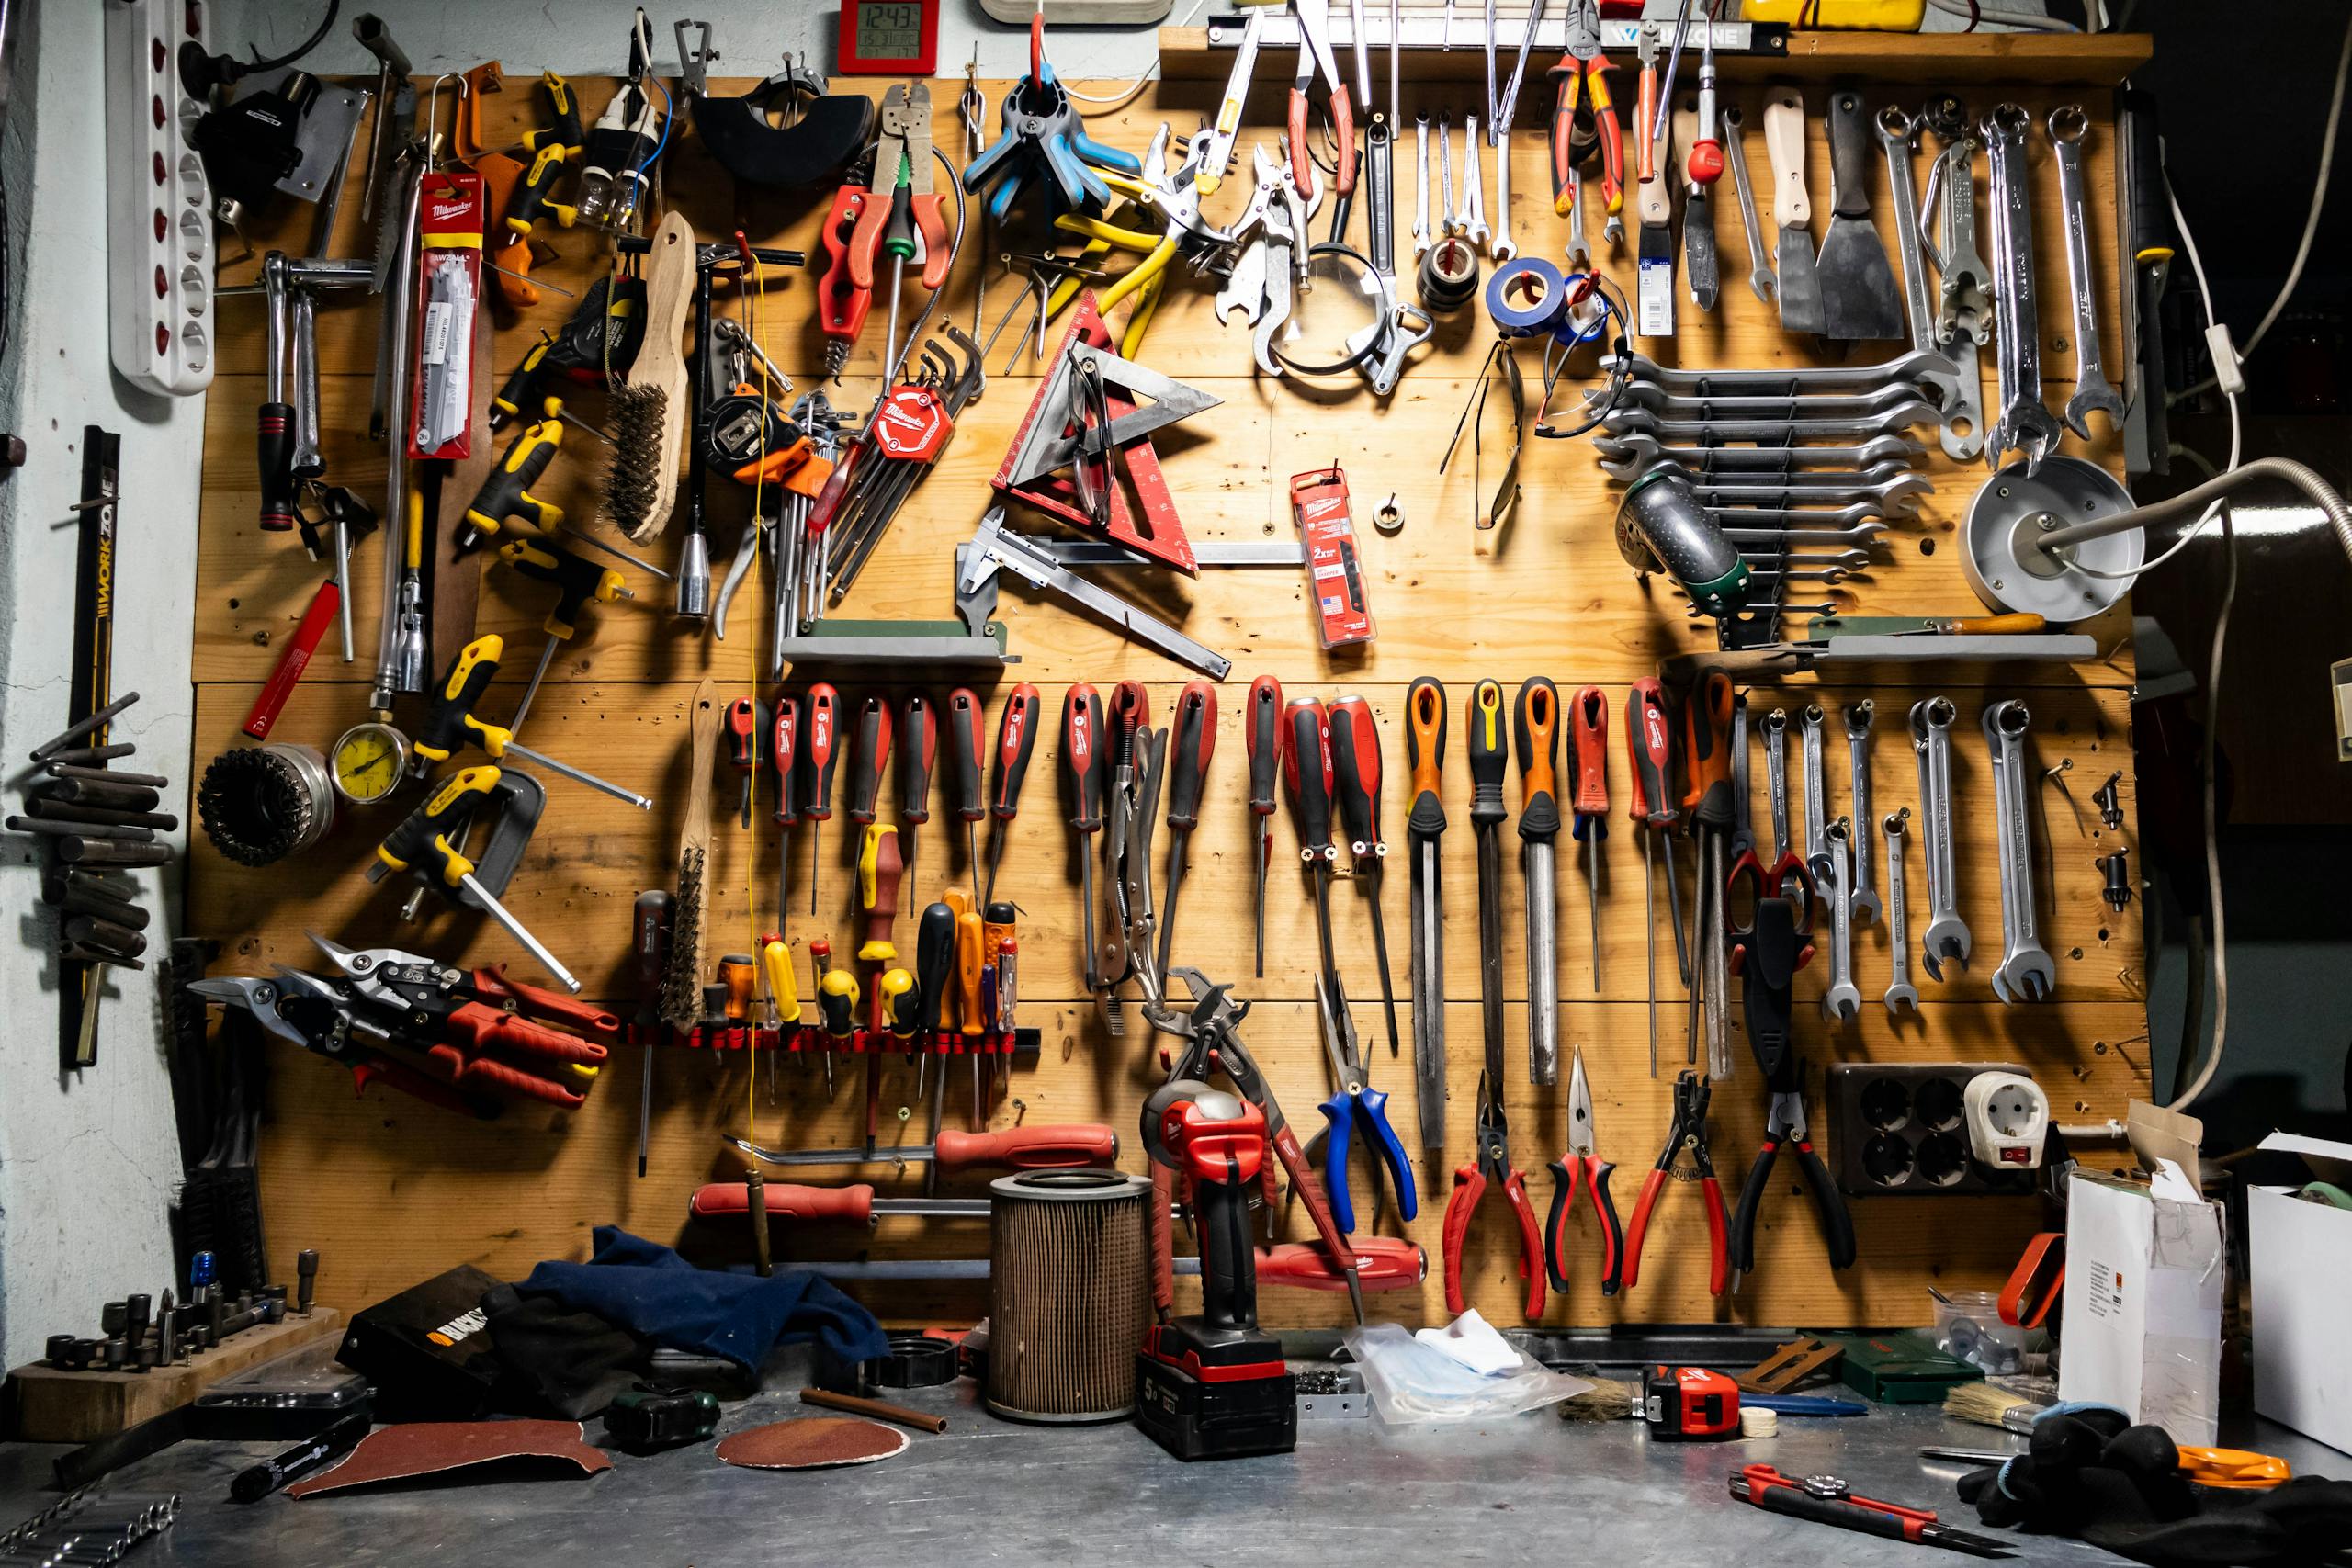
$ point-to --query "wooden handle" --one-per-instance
(1784, 144)
(919, 1420)
(1654, 198)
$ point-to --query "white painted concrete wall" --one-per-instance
(88, 1161)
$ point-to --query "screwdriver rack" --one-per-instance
(415, 1191)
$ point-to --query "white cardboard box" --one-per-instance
(2143, 1301)
(2301, 1259)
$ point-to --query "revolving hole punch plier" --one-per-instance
(1470, 1182)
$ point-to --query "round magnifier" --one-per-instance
(1337, 314)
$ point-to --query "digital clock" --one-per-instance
(890, 38)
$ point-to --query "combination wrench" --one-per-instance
(1816, 796)
(1842, 1001)
(1964, 287)
(2092, 389)
(1962, 429)
(2026, 972)
(1422, 190)
(1473, 206)
(1900, 992)
(2023, 426)
(1863, 897)
(1776, 777)
(1625, 451)
(1946, 935)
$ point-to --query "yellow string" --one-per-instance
(751, 644)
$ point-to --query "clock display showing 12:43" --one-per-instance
(890, 38)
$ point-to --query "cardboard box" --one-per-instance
(2143, 1301)
(2301, 1259)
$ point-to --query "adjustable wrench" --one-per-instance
(1816, 796)
(1900, 992)
(1474, 193)
(1863, 897)
(1897, 131)
(1743, 827)
(1776, 777)
(1422, 190)
(2026, 972)
(2023, 424)
(2092, 389)
(1842, 1002)
(1760, 276)
(1914, 371)
(1850, 542)
(1946, 935)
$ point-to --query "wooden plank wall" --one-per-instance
(391, 1191)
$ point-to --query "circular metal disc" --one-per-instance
(1998, 540)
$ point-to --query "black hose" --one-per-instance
(306, 45)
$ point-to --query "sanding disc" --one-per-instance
(811, 1442)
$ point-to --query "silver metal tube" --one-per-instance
(577, 775)
(1543, 968)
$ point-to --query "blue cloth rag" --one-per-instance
(650, 1290)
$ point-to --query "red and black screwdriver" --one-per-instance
(743, 746)
(823, 730)
(1081, 757)
(1264, 740)
(785, 753)
(918, 747)
(1193, 743)
(966, 776)
(1016, 740)
(1355, 786)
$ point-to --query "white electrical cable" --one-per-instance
(2031, 21)
(1114, 100)
(2311, 222)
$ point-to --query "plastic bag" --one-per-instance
(1410, 1381)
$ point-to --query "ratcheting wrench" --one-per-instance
(1816, 798)
(1776, 778)
(1421, 191)
(2026, 972)
(1896, 133)
(1946, 935)
(1964, 290)
(1900, 992)
(1473, 185)
(2092, 389)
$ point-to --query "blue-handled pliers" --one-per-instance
(1356, 1105)
(1042, 134)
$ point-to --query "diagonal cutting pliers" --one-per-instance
(1492, 1166)
(1688, 1131)
(1582, 1166)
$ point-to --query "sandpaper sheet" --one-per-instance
(811, 1442)
(433, 1448)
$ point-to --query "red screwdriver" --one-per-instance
(785, 753)
(966, 778)
(1649, 753)
(1082, 756)
(823, 730)
(918, 747)
(1589, 753)
(869, 756)
(743, 746)
(1355, 786)
(1195, 742)
(1016, 740)
(1264, 739)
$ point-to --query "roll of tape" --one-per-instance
(1527, 297)
(1758, 1422)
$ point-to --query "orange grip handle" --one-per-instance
(1588, 739)
(1644, 118)
(1029, 1148)
(1344, 126)
(1706, 750)
(852, 1205)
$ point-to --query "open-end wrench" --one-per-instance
(1626, 451)
(1473, 206)
(1900, 992)
(1773, 432)
(1841, 1002)
(1816, 796)
(1863, 897)
(2023, 424)
(1447, 224)
(1855, 539)
(1760, 276)
(1789, 519)
(1776, 778)
(1422, 190)
(1578, 247)
(1913, 369)
(1896, 133)
(2092, 389)
(2026, 972)
(1947, 935)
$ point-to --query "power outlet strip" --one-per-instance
(1900, 1129)
(159, 203)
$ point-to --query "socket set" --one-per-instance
(137, 1334)
(87, 1527)
(1902, 1131)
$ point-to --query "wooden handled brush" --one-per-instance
(648, 411)
(682, 981)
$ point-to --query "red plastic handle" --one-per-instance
(1383, 1263)
(842, 294)
(1588, 750)
(537, 1002)
(852, 1205)
(1016, 740)
(1029, 1148)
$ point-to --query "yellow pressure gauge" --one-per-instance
(370, 760)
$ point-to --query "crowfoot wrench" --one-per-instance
(1421, 233)
(1760, 276)
(1863, 897)
(1900, 992)
(2026, 972)
(2092, 389)
(1842, 1002)
(2023, 426)
(1946, 935)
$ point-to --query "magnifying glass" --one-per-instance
(1338, 313)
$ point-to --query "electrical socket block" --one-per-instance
(159, 202)
(2009, 1117)
(1905, 1129)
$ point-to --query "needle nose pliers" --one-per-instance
(1689, 1131)
(1470, 1183)
(1582, 1165)
(1357, 1106)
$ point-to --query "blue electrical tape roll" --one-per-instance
(1527, 297)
